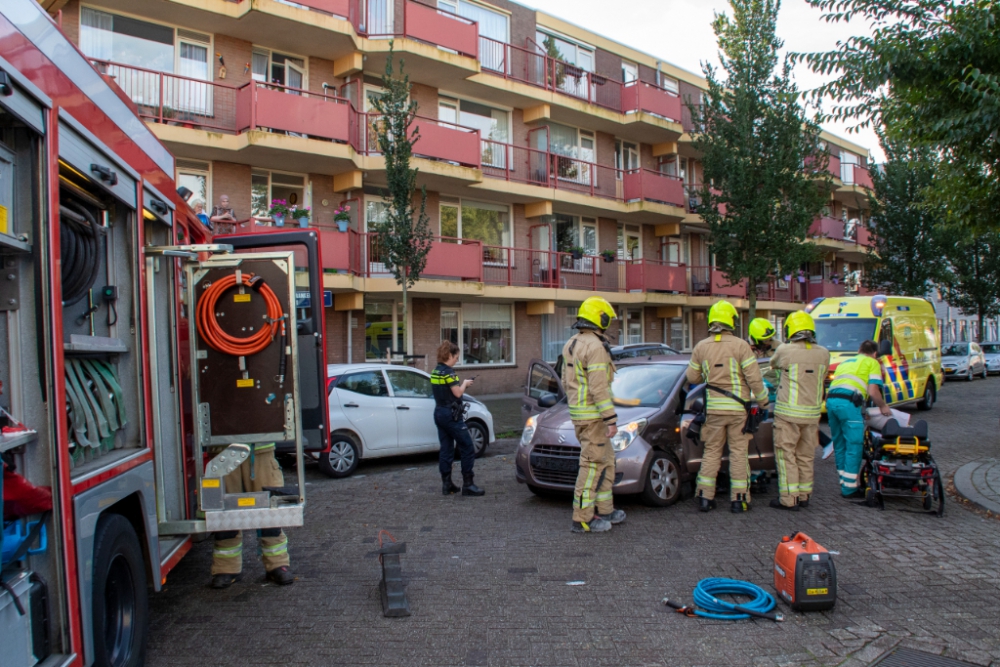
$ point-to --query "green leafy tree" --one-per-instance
(765, 168)
(972, 281)
(905, 256)
(930, 74)
(404, 235)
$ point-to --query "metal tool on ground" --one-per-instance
(391, 588)
(708, 605)
(804, 574)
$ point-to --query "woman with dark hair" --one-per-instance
(449, 417)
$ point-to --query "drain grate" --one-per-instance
(905, 657)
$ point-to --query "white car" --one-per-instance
(963, 360)
(992, 352)
(381, 410)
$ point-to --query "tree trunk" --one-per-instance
(406, 332)
(752, 295)
(979, 332)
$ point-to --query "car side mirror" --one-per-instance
(885, 348)
(547, 400)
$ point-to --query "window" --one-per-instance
(576, 148)
(629, 242)
(668, 83)
(284, 70)
(630, 72)
(678, 332)
(196, 177)
(677, 166)
(383, 329)
(573, 231)
(541, 382)
(474, 220)
(483, 331)
(631, 333)
(367, 383)
(266, 186)
(492, 24)
(847, 163)
(571, 79)
(626, 156)
(556, 330)
(407, 384)
(126, 40)
(493, 125)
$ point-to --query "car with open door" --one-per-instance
(379, 410)
(654, 457)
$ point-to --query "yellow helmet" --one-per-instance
(761, 330)
(798, 321)
(723, 312)
(597, 311)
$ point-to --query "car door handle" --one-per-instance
(351, 405)
(402, 407)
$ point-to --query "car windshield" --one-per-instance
(650, 384)
(844, 334)
(991, 348)
(956, 350)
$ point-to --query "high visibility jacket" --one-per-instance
(727, 362)
(443, 378)
(801, 368)
(587, 375)
(855, 374)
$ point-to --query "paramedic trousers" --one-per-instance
(794, 451)
(717, 430)
(227, 556)
(597, 471)
(847, 426)
(450, 434)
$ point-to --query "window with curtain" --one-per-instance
(475, 220)
(487, 331)
(573, 231)
(284, 70)
(577, 150)
(126, 40)
(493, 125)
(556, 330)
(492, 24)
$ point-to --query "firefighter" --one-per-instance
(801, 366)
(762, 339)
(227, 556)
(729, 366)
(449, 417)
(855, 379)
(587, 376)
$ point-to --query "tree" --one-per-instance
(905, 256)
(765, 179)
(930, 73)
(404, 235)
(972, 283)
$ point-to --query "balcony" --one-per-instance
(438, 140)
(825, 289)
(647, 275)
(855, 174)
(649, 185)
(707, 281)
(827, 227)
(645, 97)
(441, 28)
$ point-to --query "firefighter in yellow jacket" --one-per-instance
(729, 366)
(801, 365)
(587, 375)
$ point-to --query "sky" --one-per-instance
(680, 32)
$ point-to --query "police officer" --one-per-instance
(728, 365)
(854, 380)
(449, 417)
(801, 366)
(587, 375)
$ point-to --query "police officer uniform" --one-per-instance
(728, 364)
(845, 402)
(449, 417)
(801, 366)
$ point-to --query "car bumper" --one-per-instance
(555, 466)
(954, 373)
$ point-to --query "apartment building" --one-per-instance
(542, 146)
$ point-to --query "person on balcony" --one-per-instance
(199, 211)
(222, 213)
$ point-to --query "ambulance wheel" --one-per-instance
(342, 459)
(120, 602)
(663, 480)
(930, 395)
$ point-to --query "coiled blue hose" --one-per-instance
(710, 606)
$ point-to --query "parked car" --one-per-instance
(654, 456)
(379, 410)
(991, 351)
(635, 350)
(963, 360)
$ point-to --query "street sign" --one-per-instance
(304, 299)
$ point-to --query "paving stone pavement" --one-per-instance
(979, 483)
(487, 577)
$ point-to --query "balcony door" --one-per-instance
(493, 26)
(379, 17)
(280, 69)
(629, 242)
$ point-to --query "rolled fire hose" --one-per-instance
(212, 333)
(708, 604)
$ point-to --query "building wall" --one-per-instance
(229, 178)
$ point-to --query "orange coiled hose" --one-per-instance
(219, 340)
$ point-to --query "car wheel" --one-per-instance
(986, 372)
(969, 377)
(663, 480)
(342, 459)
(930, 395)
(480, 437)
(120, 597)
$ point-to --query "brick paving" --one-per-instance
(979, 483)
(487, 577)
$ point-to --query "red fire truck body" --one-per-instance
(82, 179)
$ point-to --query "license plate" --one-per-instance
(555, 464)
(949, 371)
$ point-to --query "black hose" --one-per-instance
(80, 237)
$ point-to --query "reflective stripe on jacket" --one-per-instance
(801, 369)
(587, 375)
(855, 374)
(727, 362)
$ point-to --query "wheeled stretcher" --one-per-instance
(897, 462)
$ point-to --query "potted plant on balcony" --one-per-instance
(301, 215)
(576, 251)
(608, 255)
(278, 211)
(342, 216)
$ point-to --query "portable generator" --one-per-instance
(804, 574)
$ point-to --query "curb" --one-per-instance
(966, 488)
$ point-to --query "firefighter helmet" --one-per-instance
(724, 313)
(798, 321)
(597, 311)
(761, 331)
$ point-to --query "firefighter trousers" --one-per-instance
(597, 471)
(847, 427)
(719, 429)
(227, 556)
(794, 452)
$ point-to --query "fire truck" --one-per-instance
(142, 360)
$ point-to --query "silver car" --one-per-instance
(991, 351)
(963, 361)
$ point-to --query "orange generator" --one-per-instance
(804, 574)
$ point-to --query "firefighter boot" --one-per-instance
(741, 504)
(281, 576)
(776, 504)
(220, 581)
(447, 486)
(705, 504)
(804, 504)
(616, 516)
(469, 488)
(595, 525)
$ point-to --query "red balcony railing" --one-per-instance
(447, 259)
(649, 185)
(642, 96)
(833, 166)
(336, 7)
(441, 28)
(828, 227)
(439, 140)
(863, 236)
(651, 275)
(275, 107)
(706, 281)
(862, 178)
(525, 267)
(786, 291)
(825, 289)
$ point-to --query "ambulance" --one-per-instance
(905, 329)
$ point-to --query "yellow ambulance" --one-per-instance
(905, 329)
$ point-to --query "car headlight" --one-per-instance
(627, 433)
(529, 430)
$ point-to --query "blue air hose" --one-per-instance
(708, 604)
